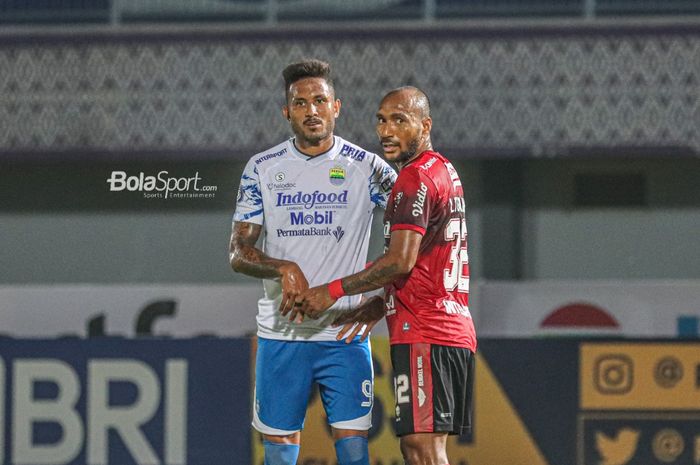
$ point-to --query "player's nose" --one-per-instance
(383, 130)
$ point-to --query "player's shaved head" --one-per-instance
(414, 98)
(404, 124)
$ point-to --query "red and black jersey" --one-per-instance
(432, 304)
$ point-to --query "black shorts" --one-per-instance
(433, 387)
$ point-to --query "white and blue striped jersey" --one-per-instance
(316, 212)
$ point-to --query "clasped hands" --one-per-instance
(359, 320)
(310, 302)
(298, 300)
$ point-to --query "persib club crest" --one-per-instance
(337, 175)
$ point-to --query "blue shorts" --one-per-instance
(285, 372)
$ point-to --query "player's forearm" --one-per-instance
(385, 270)
(253, 262)
(373, 306)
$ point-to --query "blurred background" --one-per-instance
(574, 125)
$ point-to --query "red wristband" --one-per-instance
(335, 289)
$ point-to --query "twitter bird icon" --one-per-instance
(618, 450)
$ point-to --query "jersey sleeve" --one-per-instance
(381, 180)
(249, 204)
(414, 196)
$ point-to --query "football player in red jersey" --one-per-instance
(425, 275)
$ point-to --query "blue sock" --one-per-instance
(280, 454)
(352, 451)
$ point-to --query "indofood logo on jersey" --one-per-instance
(318, 199)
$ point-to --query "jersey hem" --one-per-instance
(427, 341)
(264, 429)
(252, 220)
(315, 337)
(362, 423)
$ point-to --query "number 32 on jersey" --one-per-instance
(457, 275)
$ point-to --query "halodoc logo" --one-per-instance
(161, 186)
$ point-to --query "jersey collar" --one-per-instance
(421, 156)
(330, 153)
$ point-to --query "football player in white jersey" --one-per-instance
(311, 198)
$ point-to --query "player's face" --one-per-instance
(311, 110)
(400, 128)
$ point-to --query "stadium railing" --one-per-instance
(280, 11)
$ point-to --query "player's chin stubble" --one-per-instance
(311, 138)
(409, 153)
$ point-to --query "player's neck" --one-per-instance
(426, 146)
(313, 149)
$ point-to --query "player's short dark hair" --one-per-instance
(311, 68)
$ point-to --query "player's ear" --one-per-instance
(427, 124)
(285, 112)
(336, 107)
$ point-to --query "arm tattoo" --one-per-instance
(248, 259)
(382, 272)
(374, 306)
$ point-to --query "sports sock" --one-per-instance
(352, 450)
(280, 454)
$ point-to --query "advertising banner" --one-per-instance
(589, 308)
(112, 401)
(176, 310)
(161, 401)
(502, 309)
(640, 403)
(129, 310)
